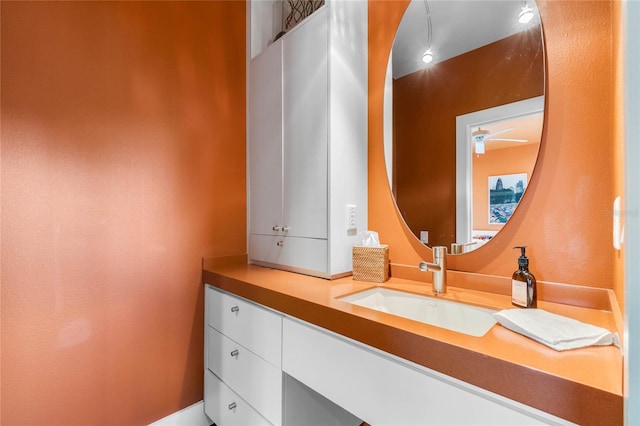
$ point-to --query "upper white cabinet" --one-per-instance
(308, 143)
(305, 110)
(265, 136)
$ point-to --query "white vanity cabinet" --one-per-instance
(307, 154)
(266, 368)
(385, 390)
(243, 375)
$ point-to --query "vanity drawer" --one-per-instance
(255, 328)
(292, 253)
(251, 377)
(225, 407)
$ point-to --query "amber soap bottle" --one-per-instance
(523, 283)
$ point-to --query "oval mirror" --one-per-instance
(462, 132)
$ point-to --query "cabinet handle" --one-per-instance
(235, 309)
(232, 406)
(280, 243)
(235, 353)
(285, 229)
(276, 228)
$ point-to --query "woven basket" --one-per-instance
(371, 263)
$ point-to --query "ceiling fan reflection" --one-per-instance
(480, 136)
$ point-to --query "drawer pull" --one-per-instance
(232, 406)
(235, 309)
(235, 353)
(280, 243)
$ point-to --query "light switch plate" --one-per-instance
(352, 217)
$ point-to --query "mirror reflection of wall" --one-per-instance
(507, 67)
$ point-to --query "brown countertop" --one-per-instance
(583, 386)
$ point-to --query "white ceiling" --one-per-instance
(458, 26)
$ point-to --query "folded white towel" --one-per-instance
(556, 331)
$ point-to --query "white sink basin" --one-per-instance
(467, 319)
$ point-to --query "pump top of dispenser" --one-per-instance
(523, 260)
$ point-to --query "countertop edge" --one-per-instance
(544, 391)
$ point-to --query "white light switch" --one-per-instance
(352, 217)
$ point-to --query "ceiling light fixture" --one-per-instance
(427, 57)
(526, 13)
(479, 136)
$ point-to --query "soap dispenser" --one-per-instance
(523, 283)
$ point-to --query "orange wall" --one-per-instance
(123, 164)
(564, 217)
(618, 135)
(426, 104)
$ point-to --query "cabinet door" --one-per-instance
(265, 140)
(305, 127)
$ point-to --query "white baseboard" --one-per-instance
(190, 416)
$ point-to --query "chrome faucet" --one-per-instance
(439, 269)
